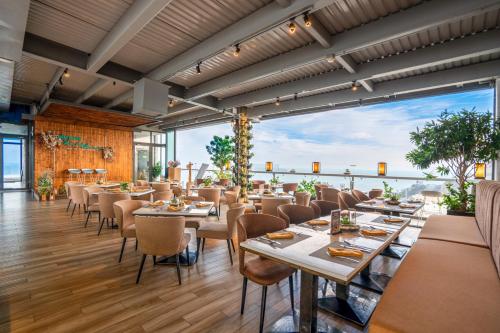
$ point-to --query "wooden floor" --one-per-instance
(57, 276)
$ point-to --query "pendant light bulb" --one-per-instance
(292, 28)
(307, 21)
(237, 50)
(277, 103)
(66, 73)
(354, 87)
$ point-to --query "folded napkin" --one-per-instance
(202, 204)
(341, 252)
(174, 209)
(157, 203)
(280, 235)
(318, 222)
(405, 205)
(393, 220)
(373, 232)
(370, 201)
(188, 202)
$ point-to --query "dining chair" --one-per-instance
(295, 214)
(375, 193)
(161, 236)
(161, 187)
(223, 231)
(347, 200)
(91, 201)
(258, 185)
(317, 188)
(163, 195)
(141, 182)
(290, 187)
(177, 191)
(77, 197)
(270, 205)
(330, 194)
(231, 195)
(106, 200)
(260, 270)
(194, 222)
(126, 221)
(302, 198)
(360, 195)
(213, 195)
(323, 207)
(68, 192)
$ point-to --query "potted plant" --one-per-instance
(221, 151)
(223, 177)
(274, 182)
(454, 143)
(124, 186)
(307, 186)
(45, 184)
(207, 181)
(174, 172)
(156, 171)
(392, 198)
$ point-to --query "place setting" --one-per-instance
(282, 239)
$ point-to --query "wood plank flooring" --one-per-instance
(57, 276)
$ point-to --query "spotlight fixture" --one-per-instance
(66, 73)
(277, 103)
(307, 21)
(295, 96)
(354, 87)
(292, 28)
(198, 68)
(171, 103)
(237, 50)
(331, 59)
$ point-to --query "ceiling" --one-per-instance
(371, 44)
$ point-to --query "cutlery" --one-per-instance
(357, 246)
(272, 240)
(345, 258)
(354, 248)
(386, 230)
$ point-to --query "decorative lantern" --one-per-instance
(480, 171)
(316, 167)
(382, 169)
(269, 166)
(228, 165)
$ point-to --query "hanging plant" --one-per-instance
(108, 153)
(50, 140)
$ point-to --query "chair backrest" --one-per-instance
(236, 189)
(77, 195)
(140, 182)
(330, 194)
(160, 236)
(194, 198)
(360, 195)
(160, 187)
(270, 205)
(106, 200)
(258, 184)
(255, 225)
(163, 195)
(123, 212)
(302, 198)
(290, 187)
(177, 191)
(295, 214)
(347, 200)
(231, 197)
(495, 225)
(66, 187)
(232, 215)
(325, 207)
(88, 198)
(210, 194)
(374, 193)
(317, 188)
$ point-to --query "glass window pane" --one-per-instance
(170, 145)
(141, 162)
(159, 138)
(142, 137)
(159, 156)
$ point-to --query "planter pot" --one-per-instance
(224, 182)
(459, 213)
(174, 174)
(43, 197)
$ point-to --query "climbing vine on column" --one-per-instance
(242, 128)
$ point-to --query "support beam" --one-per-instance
(134, 19)
(316, 30)
(55, 79)
(347, 63)
(195, 120)
(456, 50)
(456, 76)
(92, 90)
(120, 99)
(367, 85)
(423, 16)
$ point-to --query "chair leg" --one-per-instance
(244, 294)
(100, 227)
(324, 287)
(262, 309)
(140, 268)
(87, 220)
(123, 247)
(187, 255)
(69, 204)
(154, 260)
(229, 249)
(290, 284)
(73, 212)
(198, 241)
(203, 245)
(178, 268)
(136, 243)
(232, 244)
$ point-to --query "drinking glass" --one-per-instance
(352, 215)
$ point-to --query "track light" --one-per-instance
(237, 50)
(198, 68)
(66, 73)
(171, 103)
(292, 28)
(330, 59)
(277, 103)
(354, 87)
(307, 21)
(295, 96)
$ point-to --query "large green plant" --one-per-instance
(156, 170)
(307, 186)
(45, 182)
(454, 143)
(221, 151)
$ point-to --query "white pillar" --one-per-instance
(497, 116)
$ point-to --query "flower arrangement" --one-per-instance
(108, 153)
(45, 183)
(173, 164)
(50, 140)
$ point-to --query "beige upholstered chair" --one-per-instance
(77, 197)
(106, 200)
(126, 220)
(160, 187)
(290, 187)
(374, 193)
(347, 200)
(302, 198)
(163, 195)
(270, 205)
(330, 194)
(258, 185)
(360, 195)
(295, 214)
(194, 198)
(161, 236)
(323, 208)
(318, 188)
(140, 182)
(91, 201)
(211, 194)
(217, 230)
(68, 193)
(260, 270)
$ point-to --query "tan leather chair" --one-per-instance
(374, 193)
(91, 201)
(160, 187)
(163, 195)
(290, 187)
(323, 207)
(302, 198)
(194, 198)
(126, 220)
(211, 194)
(260, 270)
(318, 188)
(77, 197)
(347, 201)
(161, 236)
(217, 230)
(141, 182)
(330, 194)
(270, 205)
(360, 195)
(68, 193)
(106, 200)
(295, 214)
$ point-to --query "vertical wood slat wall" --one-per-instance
(121, 141)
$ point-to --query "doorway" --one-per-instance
(13, 157)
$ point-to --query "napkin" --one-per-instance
(373, 232)
(405, 205)
(318, 222)
(280, 235)
(202, 204)
(157, 203)
(340, 252)
(393, 220)
(369, 201)
(174, 209)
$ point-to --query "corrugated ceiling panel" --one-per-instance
(30, 79)
(73, 86)
(111, 91)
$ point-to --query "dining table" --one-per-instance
(308, 252)
(260, 196)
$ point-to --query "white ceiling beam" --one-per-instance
(456, 50)
(98, 85)
(316, 30)
(367, 85)
(420, 17)
(249, 26)
(134, 19)
(347, 63)
(435, 80)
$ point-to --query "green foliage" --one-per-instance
(455, 197)
(275, 180)
(429, 176)
(124, 186)
(307, 186)
(156, 170)
(207, 181)
(389, 192)
(222, 175)
(221, 151)
(45, 182)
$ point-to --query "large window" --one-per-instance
(149, 148)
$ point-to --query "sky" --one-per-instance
(355, 138)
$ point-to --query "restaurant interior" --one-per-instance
(103, 229)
